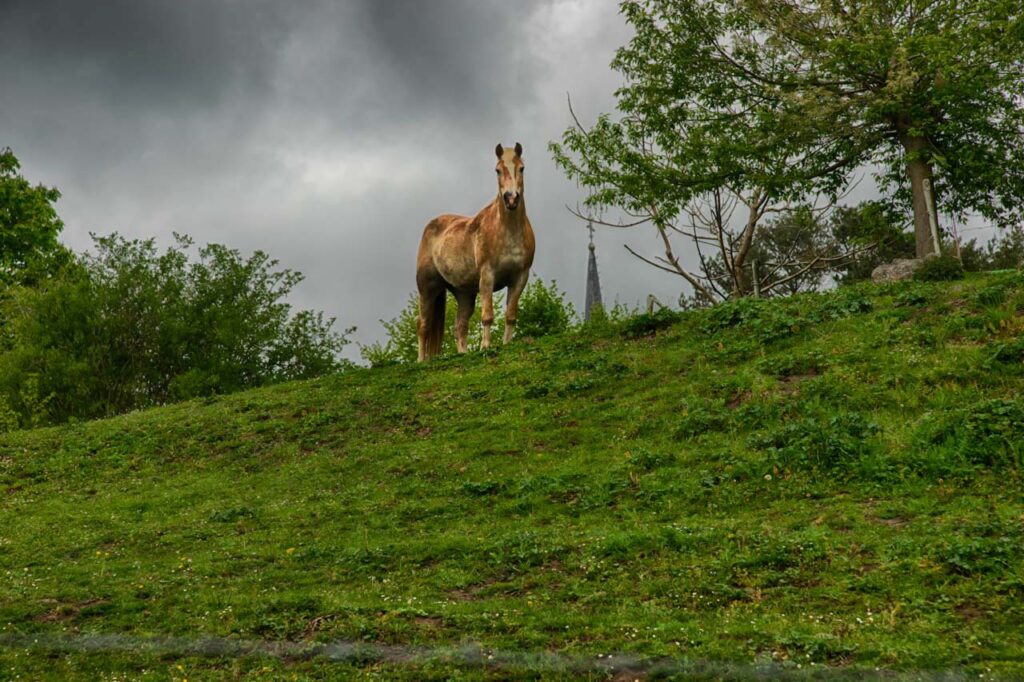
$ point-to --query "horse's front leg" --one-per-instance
(487, 305)
(512, 307)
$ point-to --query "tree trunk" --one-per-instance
(919, 170)
(742, 284)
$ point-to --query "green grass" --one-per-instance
(829, 482)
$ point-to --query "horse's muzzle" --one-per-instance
(511, 200)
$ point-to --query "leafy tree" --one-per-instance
(793, 253)
(29, 226)
(543, 310)
(870, 223)
(1006, 250)
(130, 327)
(775, 100)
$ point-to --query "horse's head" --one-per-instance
(510, 175)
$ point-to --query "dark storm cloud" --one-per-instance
(455, 56)
(325, 133)
(143, 55)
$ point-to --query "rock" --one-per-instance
(899, 269)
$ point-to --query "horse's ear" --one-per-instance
(519, 149)
(499, 150)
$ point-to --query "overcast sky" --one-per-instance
(324, 133)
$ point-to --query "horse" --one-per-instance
(483, 254)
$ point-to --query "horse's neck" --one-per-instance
(510, 225)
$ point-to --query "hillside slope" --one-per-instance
(826, 482)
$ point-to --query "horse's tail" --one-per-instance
(432, 324)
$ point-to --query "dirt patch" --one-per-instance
(471, 592)
(317, 624)
(462, 595)
(423, 432)
(969, 612)
(867, 567)
(429, 622)
(738, 399)
(892, 522)
(68, 611)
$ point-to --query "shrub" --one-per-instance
(840, 304)
(989, 433)
(647, 324)
(817, 444)
(764, 322)
(699, 421)
(543, 310)
(129, 327)
(793, 364)
(1011, 352)
(940, 269)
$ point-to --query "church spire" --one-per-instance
(593, 300)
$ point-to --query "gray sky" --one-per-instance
(326, 134)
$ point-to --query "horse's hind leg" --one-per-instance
(430, 329)
(487, 305)
(466, 301)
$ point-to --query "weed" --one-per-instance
(812, 444)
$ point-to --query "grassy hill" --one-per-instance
(829, 482)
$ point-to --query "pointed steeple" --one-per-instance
(593, 299)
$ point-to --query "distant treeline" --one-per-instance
(128, 325)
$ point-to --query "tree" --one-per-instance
(29, 225)
(1006, 251)
(869, 223)
(776, 100)
(129, 327)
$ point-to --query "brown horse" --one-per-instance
(482, 254)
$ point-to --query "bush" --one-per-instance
(764, 322)
(940, 269)
(816, 444)
(129, 327)
(648, 324)
(990, 433)
(543, 310)
(699, 421)
(29, 227)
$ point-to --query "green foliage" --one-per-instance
(1006, 250)
(757, 317)
(129, 327)
(815, 509)
(543, 310)
(989, 433)
(793, 364)
(813, 444)
(646, 324)
(700, 420)
(788, 100)
(29, 226)
(943, 268)
(1010, 352)
(871, 222)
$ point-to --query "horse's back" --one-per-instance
(439, 229)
